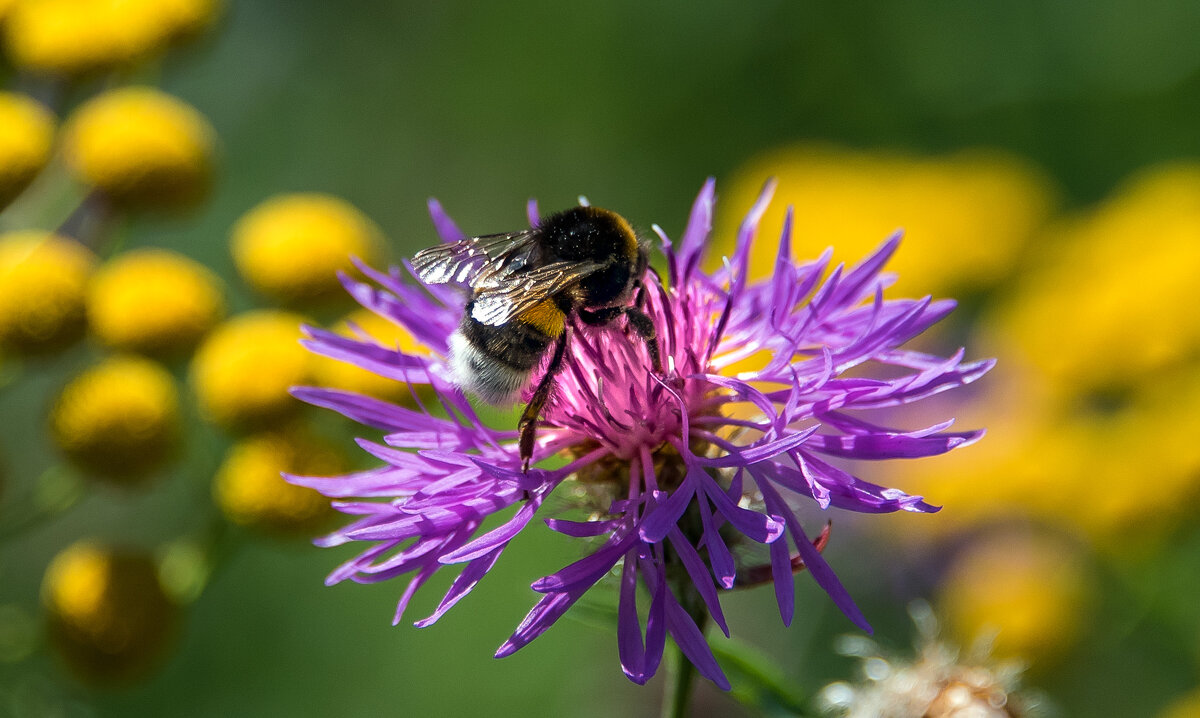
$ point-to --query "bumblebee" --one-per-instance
(526, 288)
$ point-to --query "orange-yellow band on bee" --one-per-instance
(546, 317)
(626, 229)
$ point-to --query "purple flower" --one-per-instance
(671, 479)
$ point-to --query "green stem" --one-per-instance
(56, 491)
(679, 692)
(682, 672)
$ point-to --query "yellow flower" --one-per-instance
(365, 325)
(1111, 299)
(250, 491)
(242, 372)
(1140, 467)
(291, 247)
(43, 278)
(1031, 591)
(118, 420)
(26, 138)
(109, 618)
(141, 148)
(72, 37)
(153, 301)
(966, 216)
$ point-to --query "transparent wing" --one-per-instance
(475, 258)
(500, 301)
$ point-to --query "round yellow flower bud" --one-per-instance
(1030, 591)
(43, 279)
(242, 372)
(118, 420)
(26, 138)
(965, 217)
(250, 490)
(109, 618)
(390, 335)
(141, 148)
(291, 247)
(73, 37)
(153, 301)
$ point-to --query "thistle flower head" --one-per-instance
(43, 284)
(80, 37)
(26, 140)
(119, 420)
(141, 148)
(249, 490)
(938, 682)
(291, 247)
(75, 37)
(153, 301)
(242, 371)
(672, 482)
(109, 618)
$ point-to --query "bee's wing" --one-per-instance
(506, 297)
(468, 259)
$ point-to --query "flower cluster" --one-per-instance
(151, 316)
(673, 482)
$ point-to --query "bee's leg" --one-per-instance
(600, 317)
(644, 327)
(527, 425)
(636, 320)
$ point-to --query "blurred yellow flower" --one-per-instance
(966, 216)
(250, 491)
(153, 301)
(109, 618)
(1123, 476)
(291, 247)
(365, 325)
(72, 37)
(118, 420)
(1091, 412)
(141, 148)
(1186, 707)
(1111, 298)
(1140, 468)
(242, 372)
(26, 138)
(1029, 590)
(43, 279)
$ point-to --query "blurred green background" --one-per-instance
(484, 105)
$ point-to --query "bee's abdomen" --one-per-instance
(496, 362)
